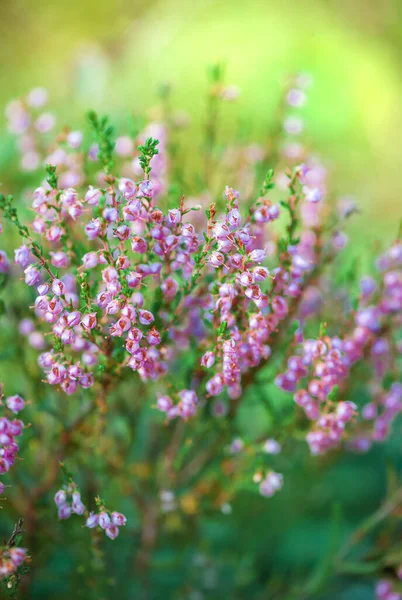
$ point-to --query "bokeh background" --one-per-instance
(112, 55)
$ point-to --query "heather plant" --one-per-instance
(155, 299)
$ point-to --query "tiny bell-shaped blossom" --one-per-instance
(93, 195)
(104, 519)
(90, 260)
(216, 259)
(17, 555)
(23, 256)
(271, 484)
(208, 359)
(15, 403)
(89, 321)
(257, 256)
(92, 521)
(58, 287)
(118, 519)
(112, 531)
(60, 498)
(272, 447)
(164, 403)
(32, 275)
(64, 511)
(78, 507)
(93, 229)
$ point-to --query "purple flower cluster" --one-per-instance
(384, 591)
(11, 557)
(109, 522)
(10, 430)
(68, 502)
(326, 363)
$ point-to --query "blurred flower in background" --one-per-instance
(113, 56)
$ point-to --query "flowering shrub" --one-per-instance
(134, 286)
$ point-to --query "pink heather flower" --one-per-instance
(23, 256)
(87, 380)
(17, 555)
(346, 410)
(60, 498)
(271, 484)
(93, 229)
(313, 194)
(92, 521)
(43, 289)
(58, 287)
(174, 216)
(37, 97)
(32, 275)
(164, 403)
(15, 403)
(4, 465)
(26, 326)
(89, 321)
(138, 244)
(383, 589)
(257, 256)
(367, 286)
(216, 259)
(36, 340)
(112, 531)
(2, 488)
(59, 259)
(169, 288)
(104, 520)
(90, 260)
(236, 446)
(146, 188)
(128, 188)
(64, 511)
(234, 218)
(74, 139)
(74, 318)
(78, 507)
(272, 447)
(145, 317)
(230, 93)
(260, 273)
(110, 214)
(153, 337)
(45, 122)
(56, 374)
(133, 280)
(118, 519)
(93, 195)
(296, 97)
(208, 359)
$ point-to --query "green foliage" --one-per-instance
(104, 137)
(147, 152)
(51, 178)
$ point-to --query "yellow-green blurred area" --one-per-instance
(112, 55)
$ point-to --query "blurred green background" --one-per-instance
(112, 56)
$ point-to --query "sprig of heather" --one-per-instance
(68, 501)
(12, 559)
(10, 430)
